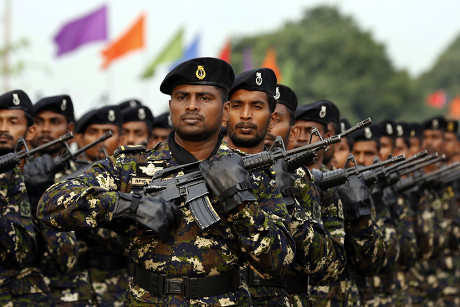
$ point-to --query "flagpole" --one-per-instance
(7, 43)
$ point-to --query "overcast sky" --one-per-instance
(414, 32)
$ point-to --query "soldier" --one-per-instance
(387, 138)
(402, 141)
(342, 149)
(415, 139)
(53, 117)
(130, 103)
(161, 128)
(21, 282)
(451, 143)
(176, 263)
(137, 126)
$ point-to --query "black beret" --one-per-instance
(260, 79)
(435, 123)
(322, 111)
(284, 95)
(104, 115)
(452, 126)
(199, 71)
(162, 121)
(344, 124)
(137, 113)
(369, 133)
(61, 104)
(402, 130)
(17, 99)
(415, 130)
(129, 103)
(388, 128)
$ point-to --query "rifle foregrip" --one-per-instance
(260, 160)
(203, 212)
(8, 162)
(301, 159)
(333, 178)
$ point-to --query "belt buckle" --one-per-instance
(174, 286)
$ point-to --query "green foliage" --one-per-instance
(334, 59)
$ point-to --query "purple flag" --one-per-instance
(247, 59)
(89, 28)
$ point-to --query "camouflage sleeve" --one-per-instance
(315, 250)
(406, 235)
(62, 247)
(82, 202)
(424, 228)
(364, 246)
(263, 229)
(17, 231)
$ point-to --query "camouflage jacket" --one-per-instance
(257, 234)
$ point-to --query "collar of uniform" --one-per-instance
(182, 155)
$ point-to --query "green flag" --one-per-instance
(172, 51)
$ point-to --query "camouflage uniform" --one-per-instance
(317, 255)
(257, 236)
(21, 281)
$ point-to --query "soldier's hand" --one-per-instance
(355, 198)
(39, 174)
(285, 181)
(228, 180)
(154, 213)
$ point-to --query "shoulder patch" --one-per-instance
(129, 148)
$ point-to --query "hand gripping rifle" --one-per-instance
(10, 160)
(191, 187)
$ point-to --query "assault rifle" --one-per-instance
(326, 180)
(192, 189)
(10, 160)
(428, 178)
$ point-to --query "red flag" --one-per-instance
(270, 62)
(225, 52)
(132, 39)
(455, 107)
(437, 99)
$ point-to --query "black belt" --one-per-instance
(255, 280)
(188, 287)
(297, 283)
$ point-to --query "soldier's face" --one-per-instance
(415, 146)
(365, 152)
(94, 132)
(304, 133)
(13, 125)
(281, 125)
(160, 135)
(134, 133)
(342, 150)
(196, 112)
(386, 147)
(450, 144)
(49, 126)
(249, 118)
(400, 147)
(433, 141)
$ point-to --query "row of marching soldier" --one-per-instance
(236, 196)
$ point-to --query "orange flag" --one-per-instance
(131, 40)
(270, 62)
(455, 107)
(225, 52)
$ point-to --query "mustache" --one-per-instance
(6, 135)
(246, 125)
(191, 114)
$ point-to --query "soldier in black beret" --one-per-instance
(451, 142)
(53, 117)
(344, 148)
(433, 134)
(366, 144)
(130, 103)
(15, 106)
(415, 138)
(387, 138)
(161, 128)
(94, 124)
(402, 140)
(286, 105)
(137, 126)
(251, 109)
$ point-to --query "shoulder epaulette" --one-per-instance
(129, 149)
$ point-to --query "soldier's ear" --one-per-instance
(30, 133)
(226, 111)
(294, 134)
(273, 118)
(70, 127)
